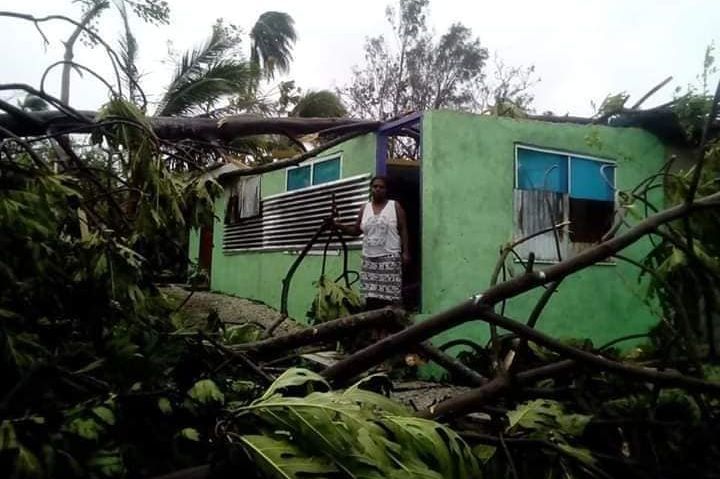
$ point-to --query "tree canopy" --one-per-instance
(430, 72)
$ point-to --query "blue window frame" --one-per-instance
(316, 173)
(554, 186)
(582, 177)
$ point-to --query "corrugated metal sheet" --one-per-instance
(289, 220)
(536, 210)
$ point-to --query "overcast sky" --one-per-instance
(581, 49)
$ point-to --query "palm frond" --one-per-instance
(205, 74)
(206, 87)
(273, 37)
(128, 55)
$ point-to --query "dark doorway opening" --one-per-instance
(206, 247)
(404, 187)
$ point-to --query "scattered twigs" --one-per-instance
(528, 443)
(508, 455)
(27, 147)
(240, 357)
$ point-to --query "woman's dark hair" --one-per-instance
(382, 178)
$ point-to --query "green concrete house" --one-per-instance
(478, 182)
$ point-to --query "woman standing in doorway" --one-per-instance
(385, 246)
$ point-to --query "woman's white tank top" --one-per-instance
(380, 231)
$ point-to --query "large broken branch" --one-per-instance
(474, 399)
(168, 128)
(478, 304)
(329, 331)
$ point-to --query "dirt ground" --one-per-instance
(418, 395)
(230, 309)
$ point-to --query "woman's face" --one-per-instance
(378, 189)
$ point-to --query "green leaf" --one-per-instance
(484, 452)
(105, 414)
(27, 464)
(107, 463)
(164, 405)
(294, 381)
(436, 446)
(206, 391)
(190, 434)
(543, 415)
(580, 453)
(8, 439)
(86, 428)
(279, 458)
(356, 432)
(242, 333)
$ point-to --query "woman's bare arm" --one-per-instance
(353, 229)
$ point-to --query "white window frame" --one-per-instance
(312, 163)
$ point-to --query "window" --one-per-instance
(553, 187)
(315, 173)
(326, 171)
(298, 177)
(244, 201)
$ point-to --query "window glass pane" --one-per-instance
(537, 170)
(326, 171)
(591, 180)
(298, 178)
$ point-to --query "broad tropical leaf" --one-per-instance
(279, 458)
(364, 434)
(295, 382)
(435, 444)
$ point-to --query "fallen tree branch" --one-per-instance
(171, 128)
(451, 365)
(475, 399)
(324, 332)
(591, 359)
(471, 308)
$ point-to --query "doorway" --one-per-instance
(206, 248)
(404, 187)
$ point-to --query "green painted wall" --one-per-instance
(258, 275)
(194, 245)
(467, 177)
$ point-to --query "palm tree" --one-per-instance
(206, 74)
(218, 69)
(272, 39)
(323, 103)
